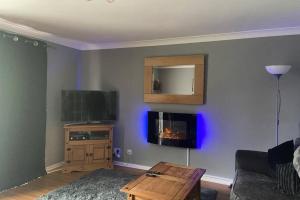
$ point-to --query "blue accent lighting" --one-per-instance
(201, 130)
(143, 123)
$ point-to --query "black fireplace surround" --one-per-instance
(172, 129)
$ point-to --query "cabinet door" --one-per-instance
(99, 153)
(76, 154)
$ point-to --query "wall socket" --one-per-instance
(129, 152)
(117, 152)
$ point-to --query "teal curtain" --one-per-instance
(23, 82)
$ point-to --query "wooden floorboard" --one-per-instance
(49, 182)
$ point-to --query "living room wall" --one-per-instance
(68, 69)
(23, 75)
(239, 112)
(62, 73)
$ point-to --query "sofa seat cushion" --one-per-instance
(254, 186)
(296, 161)
(281, 154)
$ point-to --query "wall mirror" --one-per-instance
(174, 79)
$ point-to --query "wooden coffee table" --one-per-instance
(175, 182)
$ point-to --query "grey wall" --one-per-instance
(62, 74)
(89, 71)
(23, 75)
(68, 69)
(240, 99)
(240, 102)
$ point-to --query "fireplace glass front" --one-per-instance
(172, 129)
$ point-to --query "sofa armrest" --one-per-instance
(255, 161)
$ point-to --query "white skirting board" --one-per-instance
(206, 177)
(55, 167)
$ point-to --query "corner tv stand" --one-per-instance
(88, 147)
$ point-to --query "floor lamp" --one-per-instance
(278, 71)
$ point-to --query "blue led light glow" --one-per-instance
(201, 131)
(143, 123)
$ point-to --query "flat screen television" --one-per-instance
(83, 106)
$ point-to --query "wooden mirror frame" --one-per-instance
(196, 98)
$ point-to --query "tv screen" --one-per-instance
(88, 106)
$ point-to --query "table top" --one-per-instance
(175, 182)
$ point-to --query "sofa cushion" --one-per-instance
(296, 160)
(254, 186)
(255, 161)
(297, 143)
(281, 154)
(288, 181)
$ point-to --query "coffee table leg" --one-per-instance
(130, 197)
(195, 192)
(199, 190)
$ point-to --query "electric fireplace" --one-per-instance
(172, 129)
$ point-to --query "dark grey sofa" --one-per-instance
(254, 179)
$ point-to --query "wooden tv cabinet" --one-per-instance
(88, 147)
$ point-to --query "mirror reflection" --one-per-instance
(177, 79)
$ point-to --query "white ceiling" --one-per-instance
(99, 24)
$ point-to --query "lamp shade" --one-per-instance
(278, 69)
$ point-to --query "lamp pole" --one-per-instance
(278, 71)
(278, 106)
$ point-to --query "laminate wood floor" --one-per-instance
(49, 182)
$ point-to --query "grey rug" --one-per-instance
(103, 184)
